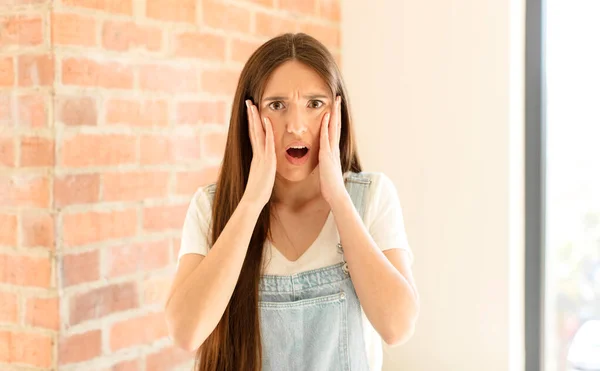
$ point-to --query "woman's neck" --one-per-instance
(297, 194)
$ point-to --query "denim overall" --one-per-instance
(312, 321)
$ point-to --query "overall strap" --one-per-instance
(357, 185)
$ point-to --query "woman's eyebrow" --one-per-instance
(281, 97)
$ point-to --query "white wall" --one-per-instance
(437, 94)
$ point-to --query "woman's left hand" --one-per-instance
(330, 169)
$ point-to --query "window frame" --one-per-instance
(535, 183)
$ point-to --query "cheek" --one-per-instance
(318, 121)
(278, 133)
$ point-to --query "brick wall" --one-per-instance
(112, 113)
(29, 320)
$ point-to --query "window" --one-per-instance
(563, 185)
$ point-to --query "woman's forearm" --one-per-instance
(197, 305)
(389, 301)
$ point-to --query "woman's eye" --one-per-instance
(279, 105)
(316, 104)
(276, 106)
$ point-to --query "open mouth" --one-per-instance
(297, 151)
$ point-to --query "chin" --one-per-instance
(297, 173)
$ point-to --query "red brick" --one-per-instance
(137, 331)
(160, 218)
(92, 227)
(155, 150)
(135, 186)
(36, 70)
(25, 271)
(201, 112)
(8, 229)
(242, 50)
(122, 36)
(185, 11)
(200, 45)
(25, 190)
(187, 182)
(137, 113)
(80, 347)
(156, 290)
(330, 9)
(37, 151)
(80, 268)
(86, 72)
(77, 111)
(37, 229)
(21, 31)
(6, 115)
(161, 149)
(139, 257)
(32, 111)
(328, 35)
(27, 348)
(9, 307)
(7, 71)
(73, 29)
(42, 312)
(167, 358)
(185, 148)
(76, 189)
(265, 3)
(7, 152)
(213, 144)
(169, 79)
(304, 6)
(96, 150)
(272, 25)
(226, 16)
(102, 301)
(110, 6)
(222, 82)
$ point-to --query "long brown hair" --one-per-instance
(235, 344)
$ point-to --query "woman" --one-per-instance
(294, 259)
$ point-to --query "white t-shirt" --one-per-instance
(383, 219)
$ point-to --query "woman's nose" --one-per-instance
(296, 123)
(296, 128)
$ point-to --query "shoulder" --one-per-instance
(381, 196)
(379, 183)
(202, 199)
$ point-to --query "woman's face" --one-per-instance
(296, 99)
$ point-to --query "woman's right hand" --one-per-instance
(264, 163)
